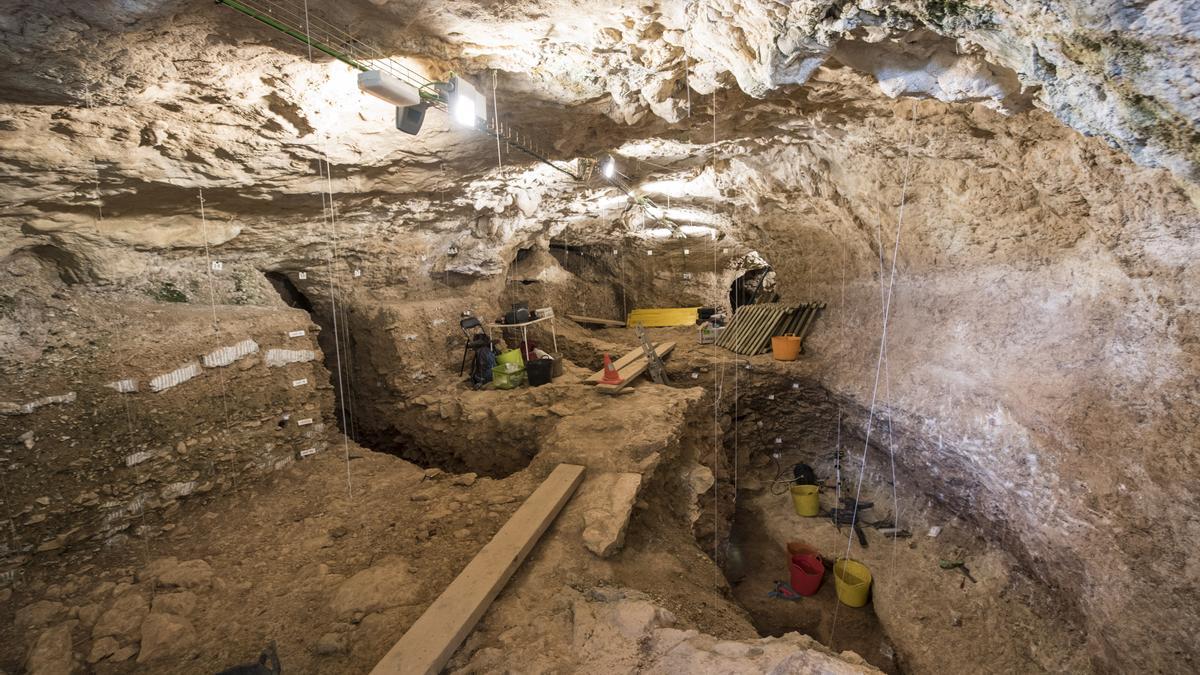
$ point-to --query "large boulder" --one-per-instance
(607, 503)
(123, 619)
(53, 653)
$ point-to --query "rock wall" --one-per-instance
(133, 406)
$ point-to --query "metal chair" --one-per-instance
(474, 341)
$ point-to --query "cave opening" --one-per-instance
(750, 287)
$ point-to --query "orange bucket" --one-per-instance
(785, 347)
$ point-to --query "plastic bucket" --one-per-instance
(852, 580)
(510, 356)
(539, 371)
(807, 572)
(807, 500)
(802, 548)
(785, 347)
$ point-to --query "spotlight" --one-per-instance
(467, 105)
(609, 167)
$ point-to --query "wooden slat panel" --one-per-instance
(431, 641)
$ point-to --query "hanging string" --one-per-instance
(337, 346)
(887, 307)
(212, 300)
(496, 120)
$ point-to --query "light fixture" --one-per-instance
(609, 167)
(388, 88)
(467, 105)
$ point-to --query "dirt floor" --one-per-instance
(333, 559)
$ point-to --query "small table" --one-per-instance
(525, 329)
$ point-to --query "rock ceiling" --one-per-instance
(121, 110)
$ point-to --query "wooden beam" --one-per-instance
(620, 363)
(595, 321)
(432, 640)
(632, 371)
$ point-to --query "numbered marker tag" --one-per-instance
(770, 397)
(308, 453)
(687, 276)
(695, 376)
(217, 265)
(795, 385)
(357, 273)
(295, 333)
(724, 251)
(304, 422)
(747, 366)
(302, 275)
(686, 252)
(778, 440)
(616, 252)
(300, 383)
(648, 252)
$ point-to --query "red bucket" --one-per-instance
(807, 573)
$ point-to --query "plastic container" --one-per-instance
(802, 548)
(511, 356)
(539, 371)
(502, 378)
(807, 500)
(557, 371)
(785, 347)
(852, 580)
(807, 573)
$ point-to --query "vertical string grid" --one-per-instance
(337, 343)
(212, 302)
(887, 308)
(496, 117)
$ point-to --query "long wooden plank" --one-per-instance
(634, 370)
(430, 642)
(577, 318)
(620, 363)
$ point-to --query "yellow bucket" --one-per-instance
(852, 580)
(806, 500)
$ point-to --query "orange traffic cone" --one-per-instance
(610, 374)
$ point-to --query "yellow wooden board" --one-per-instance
(665, 316)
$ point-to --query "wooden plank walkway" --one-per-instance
(632, 370)
(431, 641)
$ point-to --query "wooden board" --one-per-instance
(633, 370)
(432, 640)
(663, 316)
(629, 358)
(595, 321)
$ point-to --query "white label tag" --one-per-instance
(137, 458)
(770, 397)
(616, 252)
(295, 333)
(795, 385)
(300, 383)
(358, 273)
(303, 275)
(649, 252)
(304, 422)
(778, 441)
(686, 252)
(308, 453)
(217, 265)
